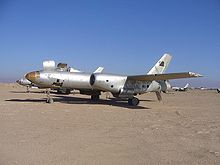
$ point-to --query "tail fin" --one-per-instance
(161, 66)
(99, 70)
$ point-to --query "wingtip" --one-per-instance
(195, 74)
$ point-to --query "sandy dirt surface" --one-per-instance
(183, 129)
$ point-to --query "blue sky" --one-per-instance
(124, 36)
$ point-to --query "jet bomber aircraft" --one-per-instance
(120, 86)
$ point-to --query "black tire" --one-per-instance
(68, 91)
(95, 97)
(134, 101)
(129, 101)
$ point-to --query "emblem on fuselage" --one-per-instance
(58, 83)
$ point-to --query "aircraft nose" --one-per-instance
(32, 76)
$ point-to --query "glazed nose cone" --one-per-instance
(32, 76)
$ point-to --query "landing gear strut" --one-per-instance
(133, 101)
(49, 99)
(28, 91)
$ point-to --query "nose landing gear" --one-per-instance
(49, 99)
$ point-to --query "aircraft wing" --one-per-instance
(166, 76)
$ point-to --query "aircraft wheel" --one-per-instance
(94, 97)
(134, 101)
(129, 102)
(58, 91)
(68, 91)
(49, 100)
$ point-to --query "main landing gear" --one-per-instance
(133, 101)
(28, 90)
(94, 97)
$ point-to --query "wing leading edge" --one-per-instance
(166, 76)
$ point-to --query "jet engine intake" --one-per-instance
(107, 82)
(92, 80)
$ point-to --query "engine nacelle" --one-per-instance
(107, 82)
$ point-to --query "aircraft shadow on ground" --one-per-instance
(26, 100)
(77, 100)
(121, 99)
(27, 92)
(111, 102)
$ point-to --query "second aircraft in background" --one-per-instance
(182, 89)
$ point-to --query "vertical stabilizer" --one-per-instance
(161, 65)
(99, 70)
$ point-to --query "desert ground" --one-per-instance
(182, 129)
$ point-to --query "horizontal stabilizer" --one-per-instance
(166, 76)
